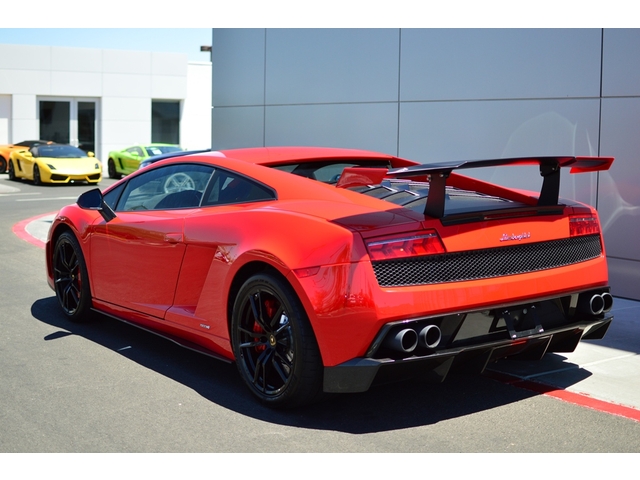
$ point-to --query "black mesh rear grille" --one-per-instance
(488, 263)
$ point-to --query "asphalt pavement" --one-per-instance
(603, 375)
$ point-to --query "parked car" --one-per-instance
(319, 269)
(54, 163)
(151, 160)
(5, 151)
(124, 162)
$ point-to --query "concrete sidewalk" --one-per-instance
(607, 370)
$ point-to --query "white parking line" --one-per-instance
(40, 199)
(15, 194)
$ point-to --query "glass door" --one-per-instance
(69, 120)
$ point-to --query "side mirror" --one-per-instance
(91, 154)
(93, 200)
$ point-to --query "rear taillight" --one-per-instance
(583, 225)
(403, 246)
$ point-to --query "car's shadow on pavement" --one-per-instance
(390, 407)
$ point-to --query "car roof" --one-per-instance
(283, 155)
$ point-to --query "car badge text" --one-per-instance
(508, 238)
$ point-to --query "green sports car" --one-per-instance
(124, 162)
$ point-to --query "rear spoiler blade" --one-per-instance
(577, 164)
(549, 169)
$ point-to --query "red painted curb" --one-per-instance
(581, 399)
(20, 229)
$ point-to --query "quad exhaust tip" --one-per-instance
(597, 304)
(408, 339)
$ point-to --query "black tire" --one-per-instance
(111, 166)
(3, 164)
(36, 176)
(12, 172)
(71, 279)
(274, 346)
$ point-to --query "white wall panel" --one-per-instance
(76, 84)
(24, 107)
(448, 64)
(168, 87)
(68, 59)
(5, 119)
(126, 85)
(195, 127)
(169, 64)
(24, 129)
(126, 109)
(25, 81)
(120, 61)
(25, 57)
(124, 133)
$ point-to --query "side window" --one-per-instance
(137, 150)
(112, 196)
(227, 188)
(174, 186)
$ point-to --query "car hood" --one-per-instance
(71, 164)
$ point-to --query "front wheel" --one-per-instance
(12, 172)
(3, 164)
(70, 278)
(36, 176)
(275, 349)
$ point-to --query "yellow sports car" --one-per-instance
(54, 163)
(5, 151)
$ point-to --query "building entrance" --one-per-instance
(71, 121)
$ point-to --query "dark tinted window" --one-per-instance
(112, 196)
(57, 151)
(227, 188)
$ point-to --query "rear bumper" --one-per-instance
(359, 374)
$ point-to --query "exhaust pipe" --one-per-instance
(593, 305)
(404, 341)
(608, 302)
(430, 336)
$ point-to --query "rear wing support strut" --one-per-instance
(550, 168)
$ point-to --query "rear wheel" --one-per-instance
(275, 349)
(36, 176)
(70, 278)
(113, 173)
(3, 164)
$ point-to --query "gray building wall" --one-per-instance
(451, 94)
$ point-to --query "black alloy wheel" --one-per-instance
(12, 172)
(70, 278)
(275, 349)
(113, 173)
(3, 164)
(36, 176)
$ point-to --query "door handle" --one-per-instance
(173, 237)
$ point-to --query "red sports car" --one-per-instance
(318, 269)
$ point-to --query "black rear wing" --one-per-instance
(550, 167)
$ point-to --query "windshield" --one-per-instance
(154, 150)
(57, 151)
